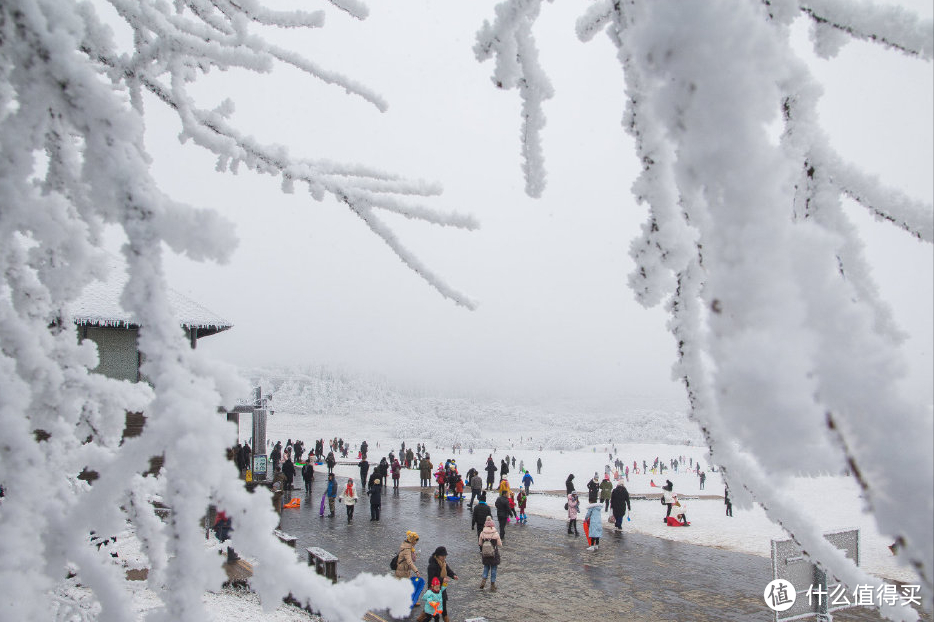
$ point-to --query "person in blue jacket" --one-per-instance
(594, 525)
(527, 481)
(331, 493)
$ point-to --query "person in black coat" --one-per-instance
(490, 470)
(330, 461)
(364, 469)
(619, 503)
(438, 567)
(502, 514)
(569, 483)
(503, 468)
(375, 492)
(593, 490)
(480, 513)
(288, 469)
(308, 475)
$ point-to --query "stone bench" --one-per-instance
(284, 537)
(324, 563)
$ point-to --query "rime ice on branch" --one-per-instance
(785, 347)
(67, 91)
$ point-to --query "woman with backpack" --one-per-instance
(405, 564)
(489, 552)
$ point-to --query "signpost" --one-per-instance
(259, 467)
(811, 584)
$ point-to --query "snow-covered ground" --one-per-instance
(833, 500)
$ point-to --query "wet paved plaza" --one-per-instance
(546, 574)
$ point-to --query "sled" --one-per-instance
(586, 525)
(323, 499)
(674, 522)
(653, 484)
(418, 584)
(293, 503)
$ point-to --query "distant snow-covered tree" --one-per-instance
(787, 352)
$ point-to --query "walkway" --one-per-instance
(546, 574)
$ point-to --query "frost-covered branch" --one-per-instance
(510, 40)
(891, 26)
(888, 204)
(74, 161)
(219, 39)
(785, 347)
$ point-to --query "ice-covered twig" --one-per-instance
(510, 40)
(891, 26)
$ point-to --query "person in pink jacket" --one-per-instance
(573, 507)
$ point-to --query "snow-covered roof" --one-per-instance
(99, 305)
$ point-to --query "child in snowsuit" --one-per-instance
(433, 605)
(521, 500)
(512, 507)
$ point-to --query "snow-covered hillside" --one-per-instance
(348, 401)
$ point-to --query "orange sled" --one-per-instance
(295, 502)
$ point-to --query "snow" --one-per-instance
(833, 502)
(99, 304)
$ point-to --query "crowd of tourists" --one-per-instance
(493, 502)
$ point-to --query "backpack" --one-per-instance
(395, 562)
(487, 550)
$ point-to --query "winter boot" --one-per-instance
(482, 583)
(493, 586)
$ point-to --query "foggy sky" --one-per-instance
(309, 284)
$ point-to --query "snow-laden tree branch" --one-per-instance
(787, 352)
(510, 40)
(73, 161)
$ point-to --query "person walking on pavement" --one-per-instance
(521, 500)
(502, 513)
(573, 507)
(376, 498)
(438, 568)
(434, 602)
(594, 525)
(480, 513)
(396, 473)
(331, 493)
(619, 501)
(364, 469)
(606, 491)
(476, 487)
(490, 543)
(308, 476)
(349, 499)
(490, 470)
(569, 483)
(405, 565)
(288, 469)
